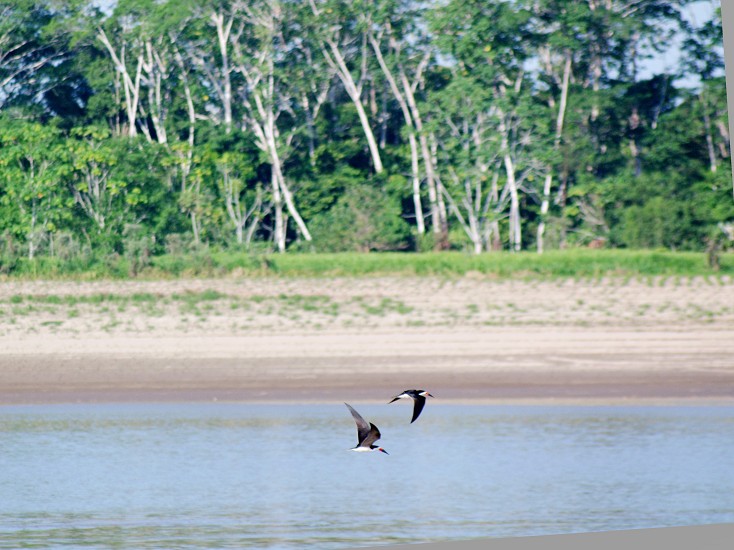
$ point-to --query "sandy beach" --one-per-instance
(298, 340)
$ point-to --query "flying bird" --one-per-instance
(419, 400)
(367, 434)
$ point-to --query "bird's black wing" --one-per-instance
(363, 428)
(405, 392)
(372, 436)
(418, 404)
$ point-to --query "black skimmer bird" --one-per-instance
(367, 434)
(419, 400)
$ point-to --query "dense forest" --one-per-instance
(145, 127)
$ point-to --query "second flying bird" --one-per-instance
(419, 400)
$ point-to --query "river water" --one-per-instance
(279, 476)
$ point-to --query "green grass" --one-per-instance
(580, 264)
(145, 302)
(385, 306)
(527, 265)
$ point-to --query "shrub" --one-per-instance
(363, 219)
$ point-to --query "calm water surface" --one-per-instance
(278, 476)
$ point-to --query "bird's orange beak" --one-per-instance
(383, 450)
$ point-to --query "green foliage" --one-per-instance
(33, 167)
(119, 157)
(115, 181)
(319, 195)
(364, 219)
(654, 224)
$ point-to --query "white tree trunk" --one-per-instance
(595, 84)
(223, 32)
(515, 222)
(279, 230)
(545, 205)
(475, 233)
(417, 205)
(130, 87)
(443, 218)
(32, 232)
(156, 72)
(420, 224)
(438, 208)
(544, 212)
(336, 60)
(713, 164)
(431, 185)
(190, 110)
(195, 227)
(277, 169)
(260, 103)
(469, 224)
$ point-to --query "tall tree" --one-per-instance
(260, 38)
(33, 165)
(470, 159)
(703, 56)
(399, 31)
(341, 28)
(490, 42)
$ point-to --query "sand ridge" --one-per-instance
(310, 339)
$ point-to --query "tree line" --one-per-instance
(162, 126)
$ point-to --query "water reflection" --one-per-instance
(143, 476)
